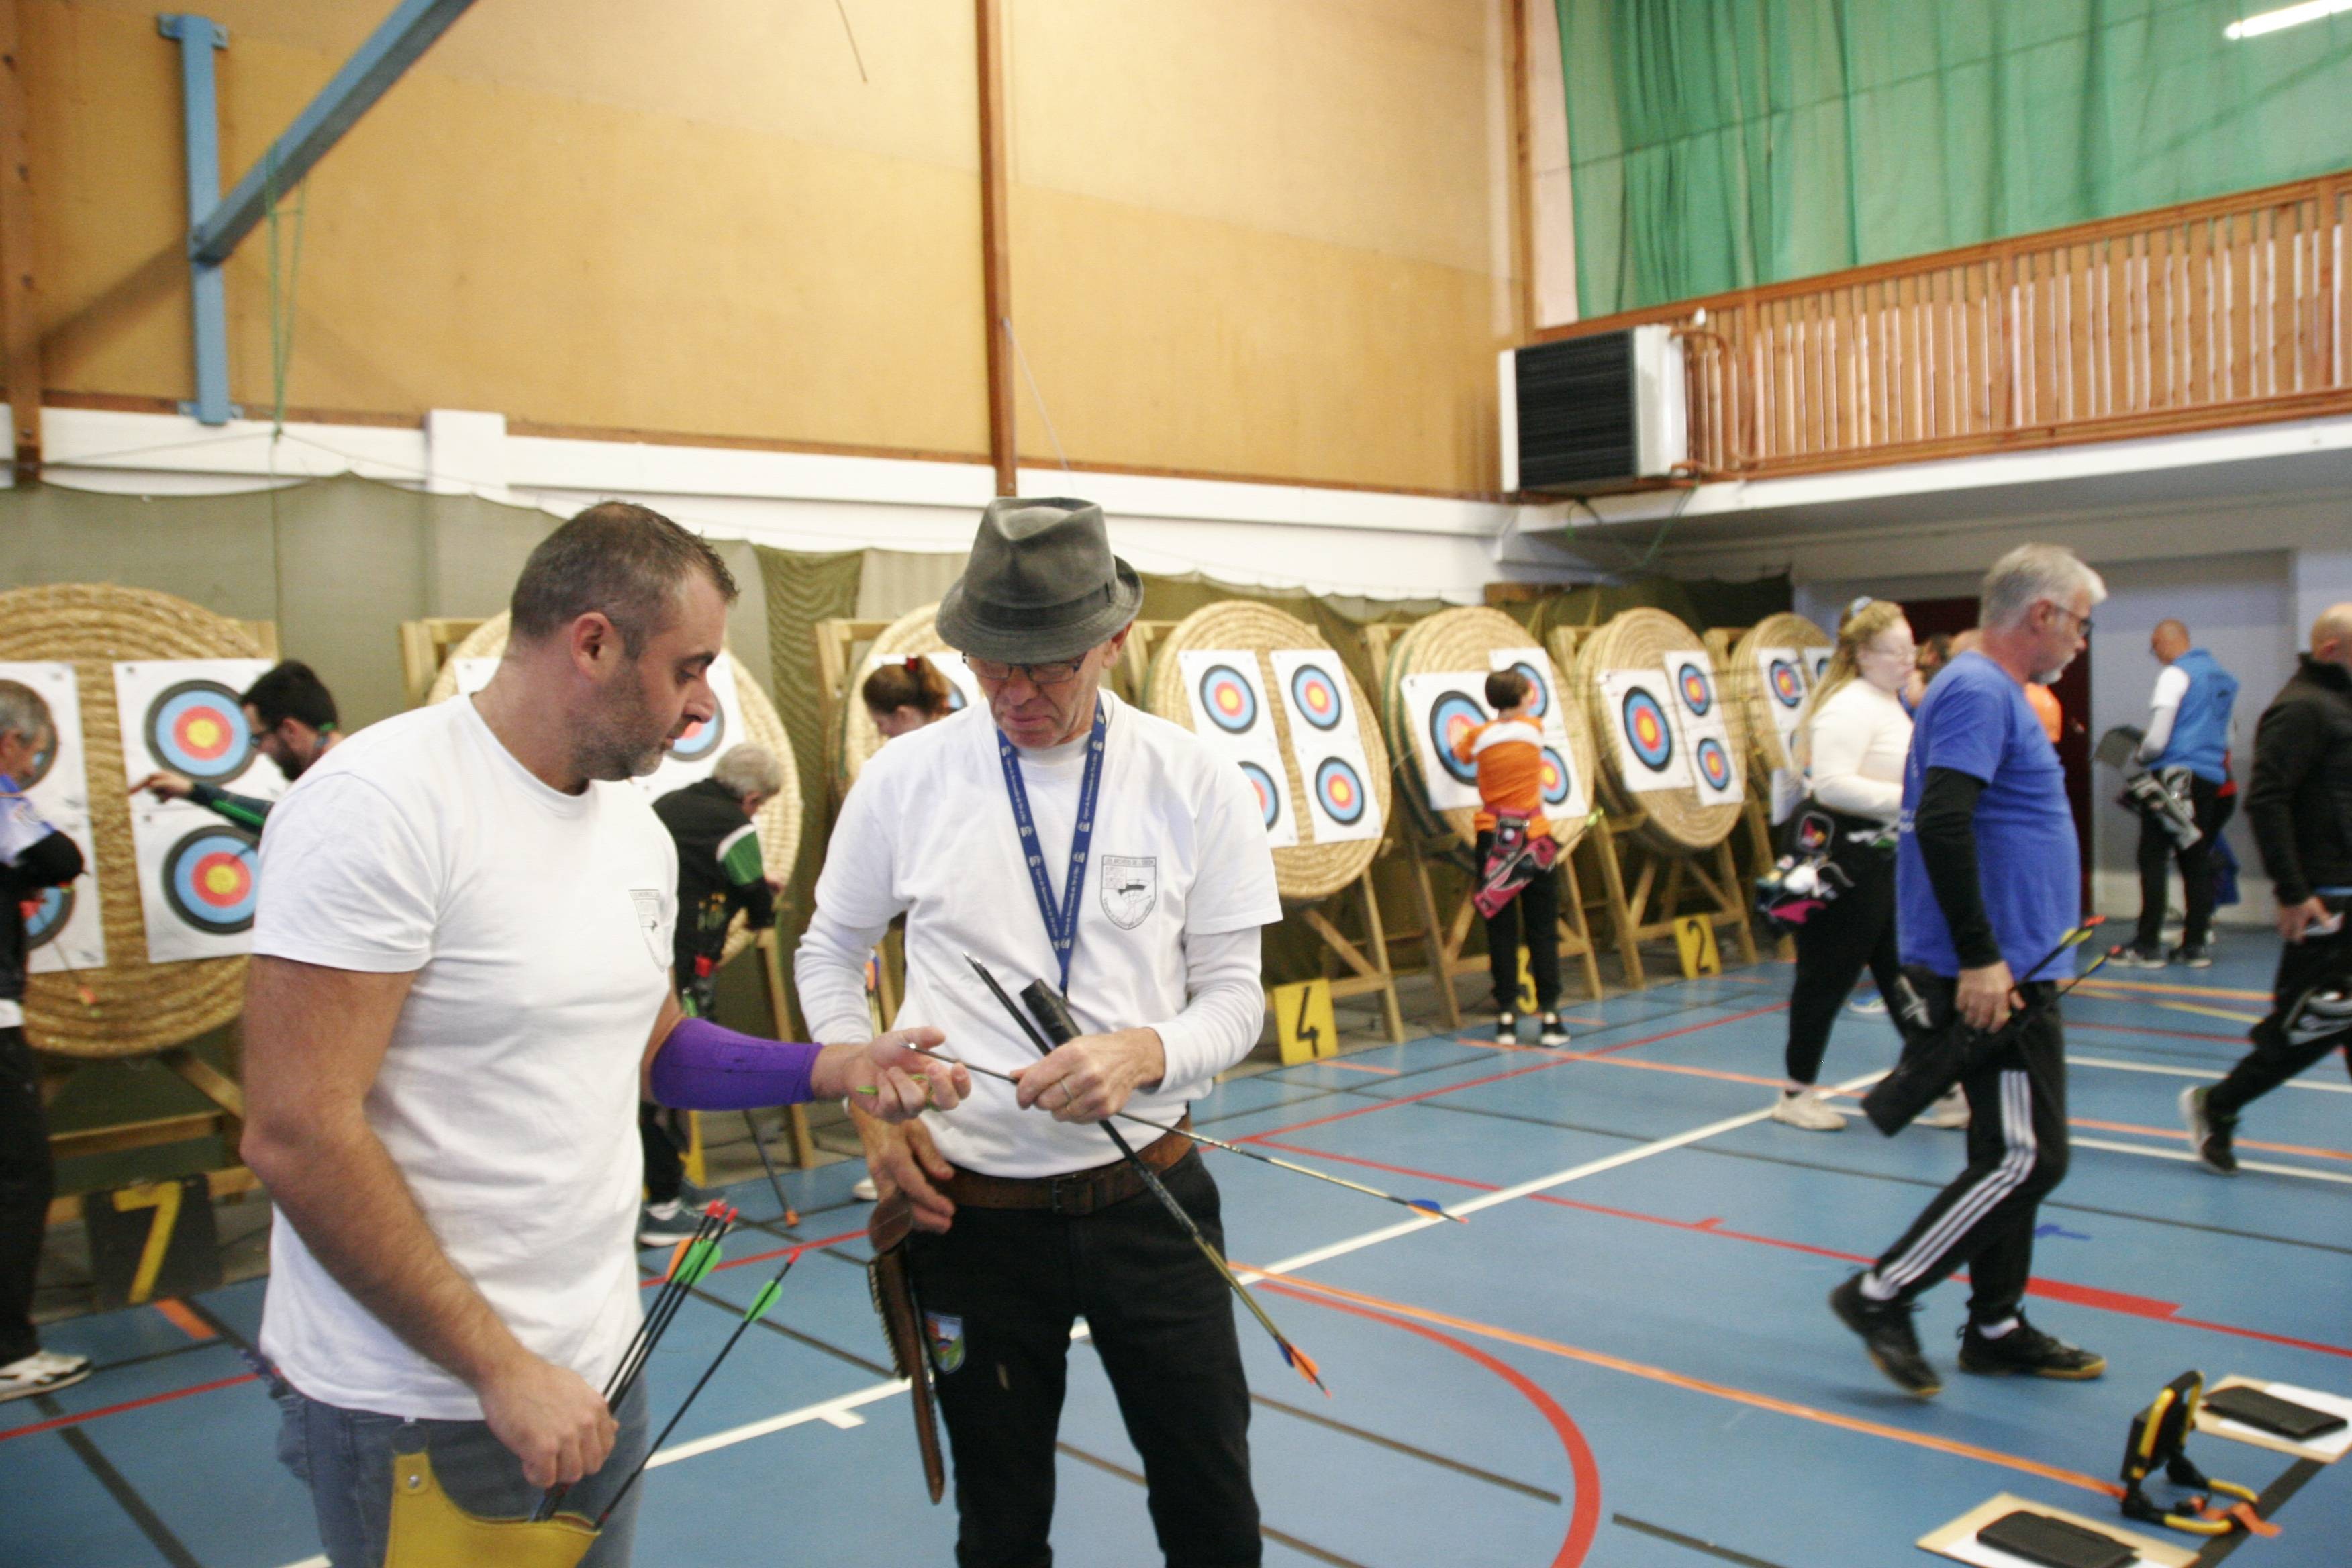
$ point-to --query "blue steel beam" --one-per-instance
(198, 36)
(407, 33)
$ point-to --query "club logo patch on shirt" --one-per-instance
(651, 925)
(1130, 887)
(946, 1334)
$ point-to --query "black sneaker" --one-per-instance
(2149, 956)
(2026, 1348)
(1886, 1333)
(2194, 955)
(1506, 1027)
(667, 1225)
(2209, 1136)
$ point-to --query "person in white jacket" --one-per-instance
(1853, 737)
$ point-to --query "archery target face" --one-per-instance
(1228, 700)
(46, 914)
(1649, 735)
(1554, 779)
(1315, 697)
(1269, 793)
(197, 728)
(43, 760)
(1340, 791)
(1695, 686)
(1454, 715)
(210, 879)
(1786, 684)
(1713, 760)
(703, 741)
(1543, 688)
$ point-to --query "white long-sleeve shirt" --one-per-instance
(2163, 708)
(1858, 739)
(1179, 882)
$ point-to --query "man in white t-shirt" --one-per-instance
(461, 979)
(1140, 896)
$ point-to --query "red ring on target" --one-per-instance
(1698, 691)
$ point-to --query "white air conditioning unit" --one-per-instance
(1586, 415)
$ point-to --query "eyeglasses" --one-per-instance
(2082, 622)
(988, 670)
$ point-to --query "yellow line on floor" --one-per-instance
(2158, 987)
(2212, 1012)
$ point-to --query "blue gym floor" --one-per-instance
(1624, 1358)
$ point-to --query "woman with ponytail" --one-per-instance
(905, 694)
(1852, 740)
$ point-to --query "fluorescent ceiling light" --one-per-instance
(2285, 17)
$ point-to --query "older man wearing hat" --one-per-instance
(1058, 834)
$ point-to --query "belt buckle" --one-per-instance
(1080, 1199)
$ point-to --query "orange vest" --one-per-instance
(1509, 754)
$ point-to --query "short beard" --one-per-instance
(613, 746)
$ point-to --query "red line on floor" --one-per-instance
(1351, 1067)
(77, 1419)
(2170, 1133)
(1554, 1059)
(650, 1281)
(1585, 1516)
(2089, 1295)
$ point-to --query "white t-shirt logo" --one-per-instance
(1130, 887)
(650, 924)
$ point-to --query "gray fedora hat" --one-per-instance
(1041, 584)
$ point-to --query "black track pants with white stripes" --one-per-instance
(1985, 1220)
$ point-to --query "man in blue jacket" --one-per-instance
(2187, 747)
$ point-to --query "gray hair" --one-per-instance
(746, 770)
(2031, 574)
(24, 712)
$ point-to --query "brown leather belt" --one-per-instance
(1075, 1193)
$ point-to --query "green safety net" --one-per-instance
(1716, 144)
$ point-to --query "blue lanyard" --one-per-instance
(1062, 917)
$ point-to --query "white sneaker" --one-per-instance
(866, 1190)
(1809, 1110)
(1951, 1111)
(41, 1372)
(1871, 1006)
(1555, 1032)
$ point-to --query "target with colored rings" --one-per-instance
(1647, 734)
(1713, 762)
(1269, 798)
(1698, 691)
(1450, 717)
(197, 728)
(703, 739)
(1340, 791)
(1542, 689)
(1316, 696)
(46, 914)
(1787, 684)
(210, 879)
(1553, 778)
(1227, 699)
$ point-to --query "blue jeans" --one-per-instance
(344, 1456)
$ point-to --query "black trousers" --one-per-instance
(1855, 929)
(27, 1182)
(1537, 907)
(2017, 1152)
(999, 1292)
(665, 1166)
(2157, 854)
(2315, 961)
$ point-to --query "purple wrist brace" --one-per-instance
(702, 1066)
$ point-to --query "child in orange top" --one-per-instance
(1508, 753)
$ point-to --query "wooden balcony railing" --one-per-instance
(2219, 312)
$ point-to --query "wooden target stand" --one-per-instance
(1442, 937)
(1755, 819)
(225, 1121)
(1646, 891)
(1369, 970)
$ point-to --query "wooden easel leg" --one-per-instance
(214, 1086)
(1389, 1009)
(771, 975)
(1578, 929)
(1449, 1005)
(1621, 912)
(1735, 906)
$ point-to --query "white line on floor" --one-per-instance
(2193, 1072)
(2159, 1153)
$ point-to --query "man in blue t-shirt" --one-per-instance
(1987, 886)
(2187, 747)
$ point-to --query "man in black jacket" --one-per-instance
(33, 856)
(720, 871)
(2300, 807)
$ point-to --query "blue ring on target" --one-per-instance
(1452, 709)
(1713, 762)
(1647, 734)
(1340, 791)
(1228, 700)
(1316, 696)
(197, 728)
(212, 879)
(1543, 688)
(701, 741)
(46, 915)
(1269, 798)
(1696, 689)
(1556, 777)
(1788, 683)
